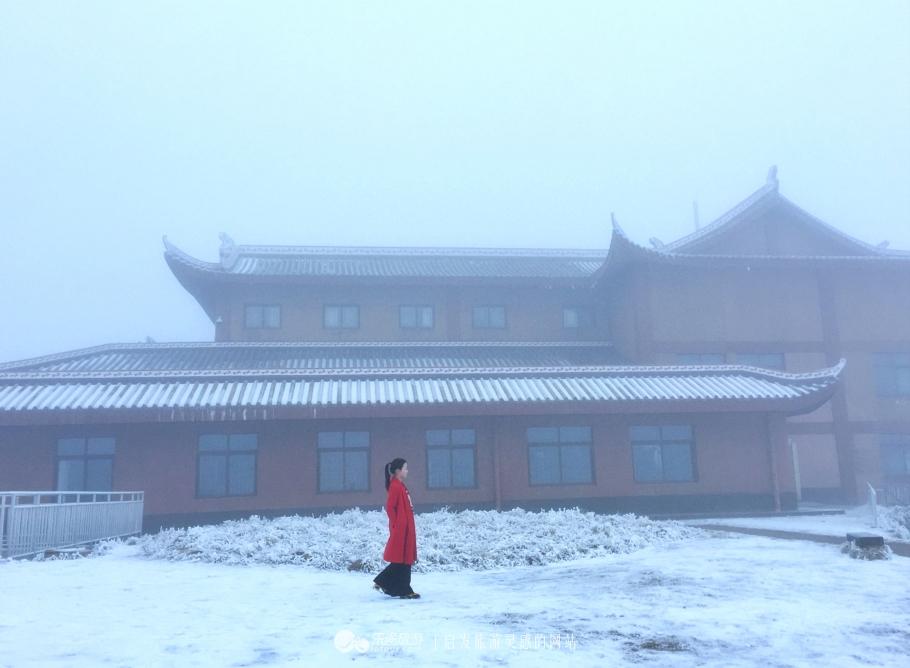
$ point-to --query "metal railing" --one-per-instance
(31, 522)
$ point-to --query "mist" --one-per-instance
(415, 124)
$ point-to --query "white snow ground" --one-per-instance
(857, 518)
(717, 601)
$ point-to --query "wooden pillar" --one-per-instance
(497, 464)
(776, 433)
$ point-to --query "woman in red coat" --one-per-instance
(401, 548)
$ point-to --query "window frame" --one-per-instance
(660, 443)
(902, 442)
(487, 309)
(262, 311)
(418, 310)
(450, 447)
(559, 444)
(341, 310)
(226, 452)
(584, 317)
(891, 363)
(343, 449)
(84, 457)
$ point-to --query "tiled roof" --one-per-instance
(208, 357)
(382, 262)
(238, 393)
(769, 195)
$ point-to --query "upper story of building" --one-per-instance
(764, 278)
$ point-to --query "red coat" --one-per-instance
(401, 547)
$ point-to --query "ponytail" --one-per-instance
(390, 469)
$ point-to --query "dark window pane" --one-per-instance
(677, 462)
(438, 437)
(355, 470)
(543, 435)
(644, 433)
(544, 464)
(426, 317)
(100, 446)
(330, 439)
(70, 474)
(463, 437)
(438, 473)
(575, 434)
(356, 439)
(212, 475)
(213, 442)
(463, 467)
(677, 433)
(99, 474)
(242, 474)
(570, 318)
(331, 471)
(243, 441)
(647, 463)
(71, 446)
(576, 463)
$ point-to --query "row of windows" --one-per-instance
(226, 463)
(417, 316)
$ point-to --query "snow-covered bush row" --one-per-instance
(446, 540)
(895, 520)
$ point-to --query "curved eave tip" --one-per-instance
(839, 367)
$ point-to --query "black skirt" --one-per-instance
(395, 579)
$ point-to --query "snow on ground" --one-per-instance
(724, 600)
(893, 522)
(446, 541)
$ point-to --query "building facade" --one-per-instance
(763, 358)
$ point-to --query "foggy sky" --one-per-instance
(514, 124)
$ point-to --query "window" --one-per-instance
(577, 317)
(450, 458)
(85, 464)
(489, 317)
(700, 358)
(344, 460)
(560, 455)
(341, 317)
(226, 465)
(895, 454)
(262, 316)
(663, 454)
(415, 317)
(762, 360)
(892, 374)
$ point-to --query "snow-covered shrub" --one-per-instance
(895, 520)
(867, 553)
(446, 541)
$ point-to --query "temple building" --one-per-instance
(762, 359)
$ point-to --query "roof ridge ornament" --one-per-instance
(228, 250)
(772, 177)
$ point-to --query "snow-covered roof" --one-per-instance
(390, 262)
(259, 392)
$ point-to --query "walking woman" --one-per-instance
(401, 548)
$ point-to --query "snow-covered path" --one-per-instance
(720, 601)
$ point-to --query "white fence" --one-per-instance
(31, 522)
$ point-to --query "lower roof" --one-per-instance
(122, 384)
